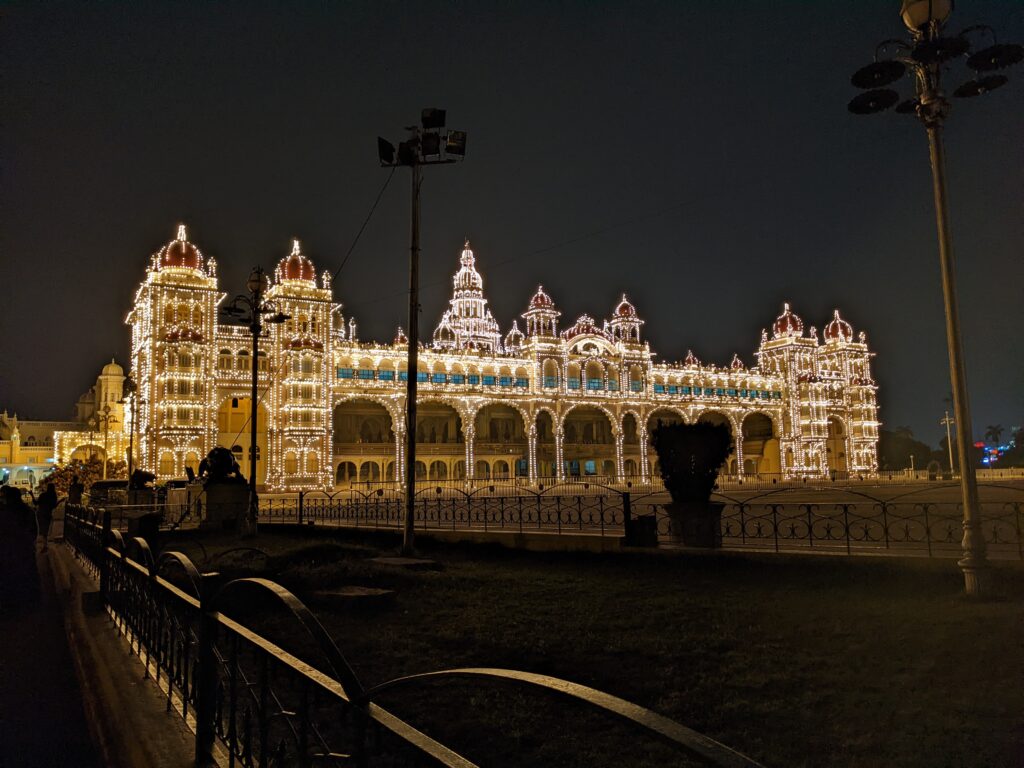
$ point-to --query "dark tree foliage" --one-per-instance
(88, 472)
(220, 467)
(690, 456)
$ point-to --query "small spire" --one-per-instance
(835, 314)
(182, 235)
(465, 245)
(296, 250)
(785, 307)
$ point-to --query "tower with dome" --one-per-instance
(542, 401)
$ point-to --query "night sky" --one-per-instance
(696, 155)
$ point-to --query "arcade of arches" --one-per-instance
(366, 446)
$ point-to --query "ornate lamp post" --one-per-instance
(131, 390)
(926, 57)
(104, 418)
(252, 310)
(430, 145)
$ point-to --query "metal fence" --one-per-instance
(855, 523)
(251, 702)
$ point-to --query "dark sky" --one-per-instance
(697, 155)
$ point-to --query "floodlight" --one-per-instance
(385, 151)
(432, 118)
(430, 144)
(873, 101)
(456, 143)
(407, 152)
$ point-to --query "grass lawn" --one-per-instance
(792, 660)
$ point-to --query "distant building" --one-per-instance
(30, 449)
(536, 403)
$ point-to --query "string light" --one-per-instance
(818, 394)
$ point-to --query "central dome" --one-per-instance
(295, 266)
(180, 253)
(788, 325)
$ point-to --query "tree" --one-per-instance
(993, 432)
(904, 432)
(690, 456)
(895, 449)
(88, 472)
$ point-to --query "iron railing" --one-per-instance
(252, 702)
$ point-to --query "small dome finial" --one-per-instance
(182, 235)
(296, 250)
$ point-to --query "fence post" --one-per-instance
(104, 564)
(627, 519)
(301, 494)
(206, 676)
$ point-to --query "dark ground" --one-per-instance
(793, 660)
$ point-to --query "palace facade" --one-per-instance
(543, 402)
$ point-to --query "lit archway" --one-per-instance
(717, 417)
(363, 434)
(233, 428)
(835, 445)
(500, 436)
(588, 442)
(760, 446)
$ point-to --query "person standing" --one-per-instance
(45, 504)
(75, 491)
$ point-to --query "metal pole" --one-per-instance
(973, 563)
(949, 440)
(256, 328)
(106, 428)
(411, 366)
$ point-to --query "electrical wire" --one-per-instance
(365, 222)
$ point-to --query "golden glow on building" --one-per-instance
(539, 403)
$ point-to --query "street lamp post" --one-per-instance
(105, 418)
(428, 144)
(926, 57)
(250, 309)
(131, 390)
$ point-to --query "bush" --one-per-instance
(690, 456)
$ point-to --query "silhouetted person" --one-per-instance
(75, 490)
(45, 504)
(19, 577)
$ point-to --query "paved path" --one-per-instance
(42, 721)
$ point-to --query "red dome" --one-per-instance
(736, 364)
(180, 253)
(625, 309)
(838, 329)
(541, 300)
(295, 266)
(788, 324)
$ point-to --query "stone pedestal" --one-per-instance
(224, 505)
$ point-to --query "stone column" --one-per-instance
(469, 435)
(618, 456)
(738, 438)
(559, 458)
(531, 454)
(645, 470)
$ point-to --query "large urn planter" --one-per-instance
(696, 523)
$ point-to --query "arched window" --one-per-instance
(291, 463)
(243, 361)
(225, 360)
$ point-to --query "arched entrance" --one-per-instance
(364, 441)
(588, 445)
(760, 446)
(835, 446)
(500, 441)
(631, 456)
(233, 429)
(439, 440)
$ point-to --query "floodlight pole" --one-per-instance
(412, 365)
(949, 440)
(973, 564)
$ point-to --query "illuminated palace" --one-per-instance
(538, 402)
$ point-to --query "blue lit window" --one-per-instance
(659, 389)
(719, 391)
(731, 392)
(550, 382)
(473, 378)
(488, 381)
(386, 375)
(743, 393)
(344, 373)
(777, 395)
(636, 386)
(422, 376)
(685, 390)
(522, 382)
(613, 385)
(573, 383)
(403, 375)
(673, 389)
(438, 378)
(366, 373)
(766, 395)
(595, 384)
(457, 378)
(505, 381)
(709, 391)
